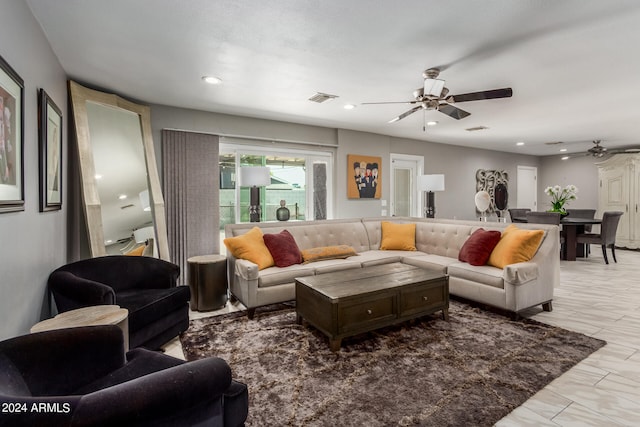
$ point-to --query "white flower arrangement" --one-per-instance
(561, 196)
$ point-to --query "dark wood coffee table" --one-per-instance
(351, 302)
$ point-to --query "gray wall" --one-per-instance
(33, 243)
(459, 164)
(580, 171)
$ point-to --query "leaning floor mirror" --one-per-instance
(122, 197)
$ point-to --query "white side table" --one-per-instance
(89, 316)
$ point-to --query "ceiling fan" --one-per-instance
(597, 150)
(435, 96)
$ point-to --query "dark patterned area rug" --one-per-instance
(470, 371)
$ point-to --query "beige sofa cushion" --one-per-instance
(430, 262)
(377, 257)
(273, 276)
(484, 274)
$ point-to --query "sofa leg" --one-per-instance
(250, 313)
(547, 306)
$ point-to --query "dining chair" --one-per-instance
(543, 217)
(607, 236)
(583, 213)
(546, 218)
(518, 213)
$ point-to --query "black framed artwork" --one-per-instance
(50, 144)
(11, 139)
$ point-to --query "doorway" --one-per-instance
(404, 191)
(527, 188)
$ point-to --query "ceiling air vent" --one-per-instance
(126, 206)
(477, 128)
(320, 97)
(554, 143)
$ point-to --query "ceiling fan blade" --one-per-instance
(452, 111)
(486, 94)
(406, 113)
(389, 102)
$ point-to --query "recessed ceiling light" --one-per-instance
(122, 196)
(432, 123)
(565, 158)
(97, 176)
(563, 150)
(349, 106)
(212, 80)
(519, 143)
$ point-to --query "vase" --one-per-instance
(282, 213)
(562, 212)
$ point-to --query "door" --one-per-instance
(404, 193)
(527, 188)
(614, 196)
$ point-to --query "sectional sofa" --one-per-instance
(438, 243)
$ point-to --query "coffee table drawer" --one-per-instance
(419, 299)
(359, 314)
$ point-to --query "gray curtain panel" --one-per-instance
(191, 182)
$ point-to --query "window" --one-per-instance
(299, 177)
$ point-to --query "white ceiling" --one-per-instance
(573, 64)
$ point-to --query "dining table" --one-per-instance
(571, 227)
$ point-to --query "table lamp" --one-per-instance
(255, 177)
(429, 184)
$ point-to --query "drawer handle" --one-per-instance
(369, 312)
(425, 298)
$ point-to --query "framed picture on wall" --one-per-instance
(50, 142)
(364, 176)
(11, 139)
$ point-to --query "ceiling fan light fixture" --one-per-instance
(433, 87)
(432, 104)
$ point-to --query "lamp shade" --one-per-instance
(255, 175)
(431, 182)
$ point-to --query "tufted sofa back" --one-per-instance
(313, 234)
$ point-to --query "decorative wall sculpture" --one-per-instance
(487, 180)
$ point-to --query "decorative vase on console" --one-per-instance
(282, 213)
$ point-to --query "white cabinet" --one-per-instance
(619, 190)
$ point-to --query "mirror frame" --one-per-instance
(80, 95)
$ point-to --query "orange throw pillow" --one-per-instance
(401, 237)
(515, 245)
(250, 246)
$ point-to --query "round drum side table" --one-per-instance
(208, 282)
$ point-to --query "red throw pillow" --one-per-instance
(478, 247)
(283, 248)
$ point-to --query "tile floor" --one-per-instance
(595, 299)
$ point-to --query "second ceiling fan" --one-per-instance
(435, 96)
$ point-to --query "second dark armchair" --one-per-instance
(158, 309)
